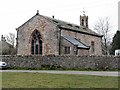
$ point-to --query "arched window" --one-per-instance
(92, 46)
(82, 22)
(36, 43)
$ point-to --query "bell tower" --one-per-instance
(84, 20)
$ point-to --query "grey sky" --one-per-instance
(14, 13)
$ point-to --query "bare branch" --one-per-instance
(103, 27)
(11, 38)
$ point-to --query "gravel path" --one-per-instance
(97, 73)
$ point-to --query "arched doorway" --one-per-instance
(36, 43)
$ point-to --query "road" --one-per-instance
(97, 73)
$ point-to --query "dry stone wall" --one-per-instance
(84, 62)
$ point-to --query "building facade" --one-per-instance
(42, 35)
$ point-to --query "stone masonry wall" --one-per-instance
(48, 35)
(86, 39)
(84, 62)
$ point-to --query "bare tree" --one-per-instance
(103, 27)
(10, 38)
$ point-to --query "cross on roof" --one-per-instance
(84, 11)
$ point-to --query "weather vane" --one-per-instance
(84, 11)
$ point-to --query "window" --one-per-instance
(32, 47)
(67, 50)
(82, 22)
(40, 47)
(92, 46)
(36, 43)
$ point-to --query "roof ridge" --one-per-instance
(72, 24)
(65, 24)
(59, 20)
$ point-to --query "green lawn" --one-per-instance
(39, 80)
(0, 81)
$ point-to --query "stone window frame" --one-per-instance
(82, 22)
(36, 43)
(67, 50)
(92, 46)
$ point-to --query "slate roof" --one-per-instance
(67, 26)
(76, 42)
(71, 26)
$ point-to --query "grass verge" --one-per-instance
(42, 80)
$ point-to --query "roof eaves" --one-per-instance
(87, 47)
(83, 48)
(62, 27)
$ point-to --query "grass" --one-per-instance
(42, 80)
(0, 81)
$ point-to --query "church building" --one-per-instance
(42, 35)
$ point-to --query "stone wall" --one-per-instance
(48, 34)
(84, 62)
(86, 39)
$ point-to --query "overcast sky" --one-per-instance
(14, 13)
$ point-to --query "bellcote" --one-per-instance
(84, 21)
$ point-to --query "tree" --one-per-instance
(8, 44)
(10, 38)
(115, 43)
(103, 27)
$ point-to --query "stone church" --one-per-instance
(42, 35)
